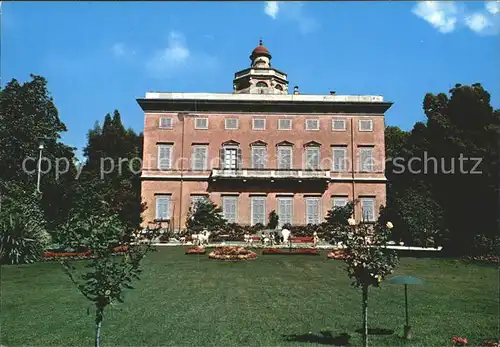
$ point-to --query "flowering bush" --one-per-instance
(459, 341)
(336, 254)
(491, 343)
(234, 253)
(196, 250)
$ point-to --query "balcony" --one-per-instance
(270, 174)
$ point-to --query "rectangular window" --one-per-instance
(259, 157)
(164, 157)
(312, 124)
(195, 199)
(284, 124)
(339, 201)
(258, 210)
(312, 158)
(165, 123)
(313, 211)
(258, 124)
(230, 208)
(365, 125)
(231, 123)
(201, 123)
(339, 159)
(366, 161)
(285, 210)
(162, 207)
(338, 124)
(199, 158)
(284, 157)
(368, 209)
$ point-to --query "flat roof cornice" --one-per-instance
(263, 103)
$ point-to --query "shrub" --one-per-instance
(205, 215)
(21, 240)
(273, 220)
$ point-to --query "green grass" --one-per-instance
(193, 301)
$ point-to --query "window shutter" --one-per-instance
(239, 163)
(164, 153)
(221, 157)
(162, 207)
(366, 159)
(258, 210)
(339, 159)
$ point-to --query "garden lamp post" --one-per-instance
(406, 280)
(41, 145)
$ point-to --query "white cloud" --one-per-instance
(292, 11)
(177, 56)
(271, 8)
(493, 7)
(441, 15)
(477, 22)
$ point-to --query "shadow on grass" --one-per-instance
(376, 331)
(323, 338)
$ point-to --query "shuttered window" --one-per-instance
(339, 201)
(366, 161)
(339, 159)
(312, 158)
(165, 123)
(231, 123)
(258, 212)
(284, 157)
(285, 210)
(259, 157)
(164, 157)
(230, 208)
(338, 124)
(199, 157)
(284, 124)
(312, 124)
(162, 207)
(201, 123)
(313, 210)
(368, 209)
(365, 125)
(259, 124)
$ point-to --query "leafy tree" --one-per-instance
(273, 220)
(28, 113)
(107, 274)
(113, 170)
(368, 261)
(335, 222)
(205, 214)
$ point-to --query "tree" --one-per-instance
(108, 274)
(368, 261)
(205, 214)
(28, 113)
(273, 220)
(113, 168)
(335, 222)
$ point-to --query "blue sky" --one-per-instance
(98, 57)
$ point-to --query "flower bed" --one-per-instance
(294, 251)
(491, 343)
(196, 250)
(303, 239)
(336, 254)
(232, 254)
(57, 254)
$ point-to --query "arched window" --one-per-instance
(279, 87)
(261, 84)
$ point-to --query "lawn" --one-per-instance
(271, 301)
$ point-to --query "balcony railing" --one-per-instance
(270, 173)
